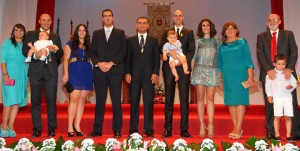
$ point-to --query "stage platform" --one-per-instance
(253, 123)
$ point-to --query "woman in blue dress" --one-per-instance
(205, 73)
(78, 71)
(13, 67)
(236, 66)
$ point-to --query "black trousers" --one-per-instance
(148, 95)
(50, 85)
(103, 82)
(183, 85)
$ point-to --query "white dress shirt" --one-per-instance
(277, 88)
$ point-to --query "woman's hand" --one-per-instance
(251, 81)
(5, 78)
(221, 86)
(64, 79)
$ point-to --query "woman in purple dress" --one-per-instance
(78, 71)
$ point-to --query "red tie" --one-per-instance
(273, 46)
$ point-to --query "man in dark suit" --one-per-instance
(108, 53)
(43, 73)
(285, 43)
(142, 70)
(186, 37)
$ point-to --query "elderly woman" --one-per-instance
(13, 68)
(235, 66)
(205, 73)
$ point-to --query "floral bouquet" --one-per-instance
(159, 93)
(24, 145)
(112, 144)
(180, 145)
(68, 146)
(134, 141)
(261, 145)
(237, 147)
(48, 145)
(157, 145)
(207, 145)
(87, 145)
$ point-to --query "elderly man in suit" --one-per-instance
(186, 37)
(43, 73)
(108, 53)
(142, 70)
(269, 43)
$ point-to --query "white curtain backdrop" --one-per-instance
(12, 12)
(291, 13)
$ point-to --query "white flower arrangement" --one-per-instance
(261, 145)
(237, 147)
(68, 146)
(135, 140)
(112, 144)
(157, 145)
(87, 145)
(2, 143)
(180, 145)
(290, 147)
(207, 144)
(48, 145)
(24, 144)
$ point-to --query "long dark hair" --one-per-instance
(213, 30)
(75, 41)
(12, 35)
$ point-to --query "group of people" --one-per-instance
(205, 62)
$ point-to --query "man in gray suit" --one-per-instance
(284, 44)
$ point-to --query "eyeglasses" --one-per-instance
(273, 20)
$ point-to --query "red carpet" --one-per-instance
(253, 123)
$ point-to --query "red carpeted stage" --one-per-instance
(253, 124)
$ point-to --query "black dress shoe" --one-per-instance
(149, 133)
(94, 134)
(36, 134)
(51, 133)
(77, 132)
(117, 134)
(71, 134)
(185, 134)
(167, 134)
(270, 136)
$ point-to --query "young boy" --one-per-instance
(279, 93)
(40, 45)
(175, 44)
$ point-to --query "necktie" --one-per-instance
(107, 33)
(178, 33)
(273, 46)
(142, 43)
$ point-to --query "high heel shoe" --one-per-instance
(71, 134)
(77, 133)
(202, 130)
(3, 133)
(11, 133)
(236, 136)
(210, 129)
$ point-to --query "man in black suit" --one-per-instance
(43, 73)
(286, 45)
(142, 70)
(108, 53)
(186, 37)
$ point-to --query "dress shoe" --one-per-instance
(36, 133)
(270, 136)
(71, 134)
(290, 139)
(94, 134)
(11, 133)
(51, 133)
(117, 134)
(149, 133)
(167, 134)
(185, 134)
(77, 132)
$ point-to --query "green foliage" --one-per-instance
(226, 145)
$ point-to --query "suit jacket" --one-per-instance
(187, 40)
(286, 45)
(112, 50)
(148, 61)
(37, 66)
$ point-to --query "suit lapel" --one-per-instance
(279, 41)
(113, 31)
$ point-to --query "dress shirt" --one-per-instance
(108, 32)
(180, 29)
(277, 88)
(144, 35)
(277, 31)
